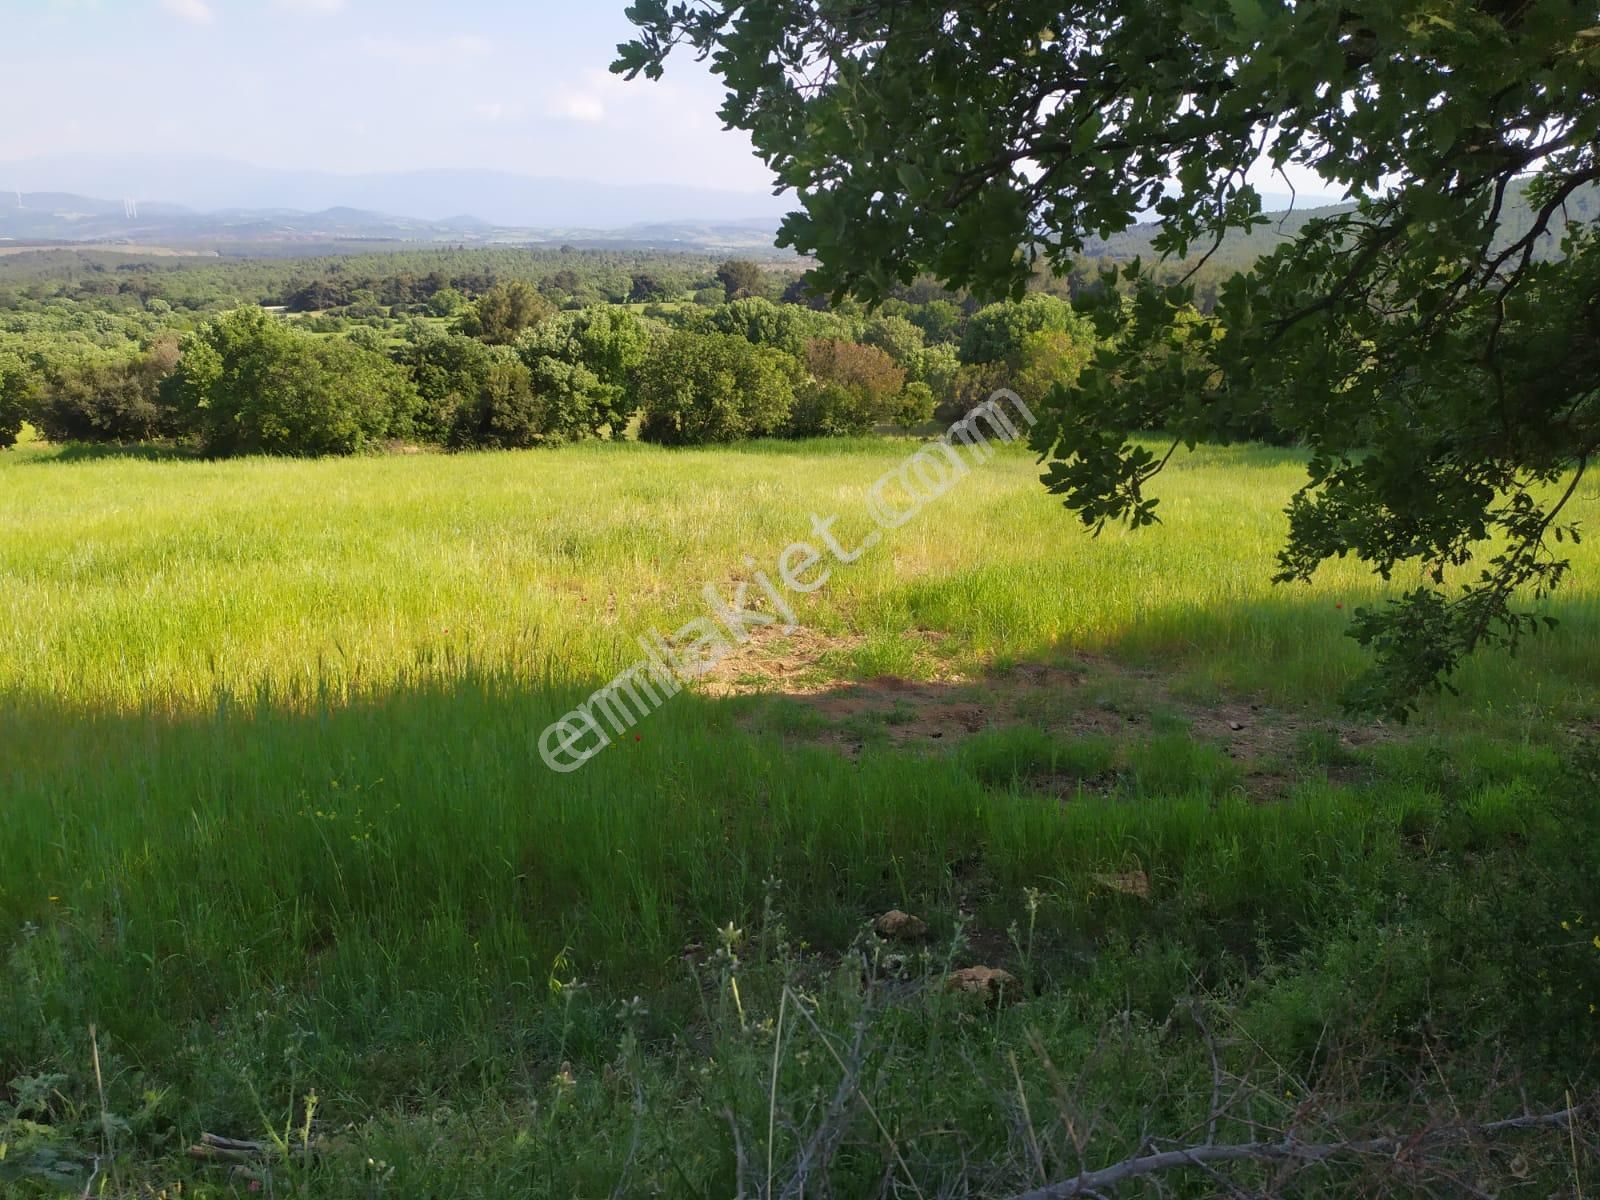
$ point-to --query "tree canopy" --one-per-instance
(1442, 366)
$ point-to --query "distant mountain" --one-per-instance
(65, 217)
(499, 198)
(1516, 219)
(68, 217)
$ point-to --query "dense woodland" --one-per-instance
(492, 349)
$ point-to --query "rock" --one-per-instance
(989, 982)
(1235, 726)
(900, 926)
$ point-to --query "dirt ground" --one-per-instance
(1078, 694)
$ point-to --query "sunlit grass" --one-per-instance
(159, 584)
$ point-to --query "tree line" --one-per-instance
(511, 369)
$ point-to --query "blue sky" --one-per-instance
(360, 85)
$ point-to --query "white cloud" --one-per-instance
(494, 111)
(596, 96)
(196, 12)
(313, 8)
(456, 48)
(579, 106)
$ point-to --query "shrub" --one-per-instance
(450, 372)
(249, 384)
(117, 400)
(17, 385)
(582, 363)
(697, 388)
(913, 406)
(503, 312)
(830, 410)
(995, 333)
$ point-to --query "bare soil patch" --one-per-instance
(1078, 695)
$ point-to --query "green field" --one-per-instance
(275, 825)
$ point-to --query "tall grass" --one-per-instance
(275, 815)
(136, 584)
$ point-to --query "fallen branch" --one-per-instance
(1287, 1150)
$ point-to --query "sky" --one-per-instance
(361, 85)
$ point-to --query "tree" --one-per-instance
(761, 322)
(939, 320)
(995, 333)
(17, 385)
(799, 291)
(866, 370)
(896, 337)
(852, 388)
(248, 384)
(1442, 364)
(116, 400)
(697, 388)
(451, 374)
(739, 277)
(913, 406)
(503, 312)
(446, 302)
(1049, 358)
(503, 411)
(583, 363)
(644, 288)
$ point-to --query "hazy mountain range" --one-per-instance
(62, 217)
(495, 198)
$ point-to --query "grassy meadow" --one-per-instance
(276, 829)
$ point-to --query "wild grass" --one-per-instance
(275, 819)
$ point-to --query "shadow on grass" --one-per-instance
(79, 452)
(386, 883)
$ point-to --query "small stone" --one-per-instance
(1235, 726)
(900, 926)
(989, 982)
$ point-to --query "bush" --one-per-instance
(582, 363)
(503, 312)
(249, 384)
(995, 333)
(699, 388)
(830, 410)
(503, 412)
(913, 406)
(117, 401)
(17, 385)
(451, 374)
